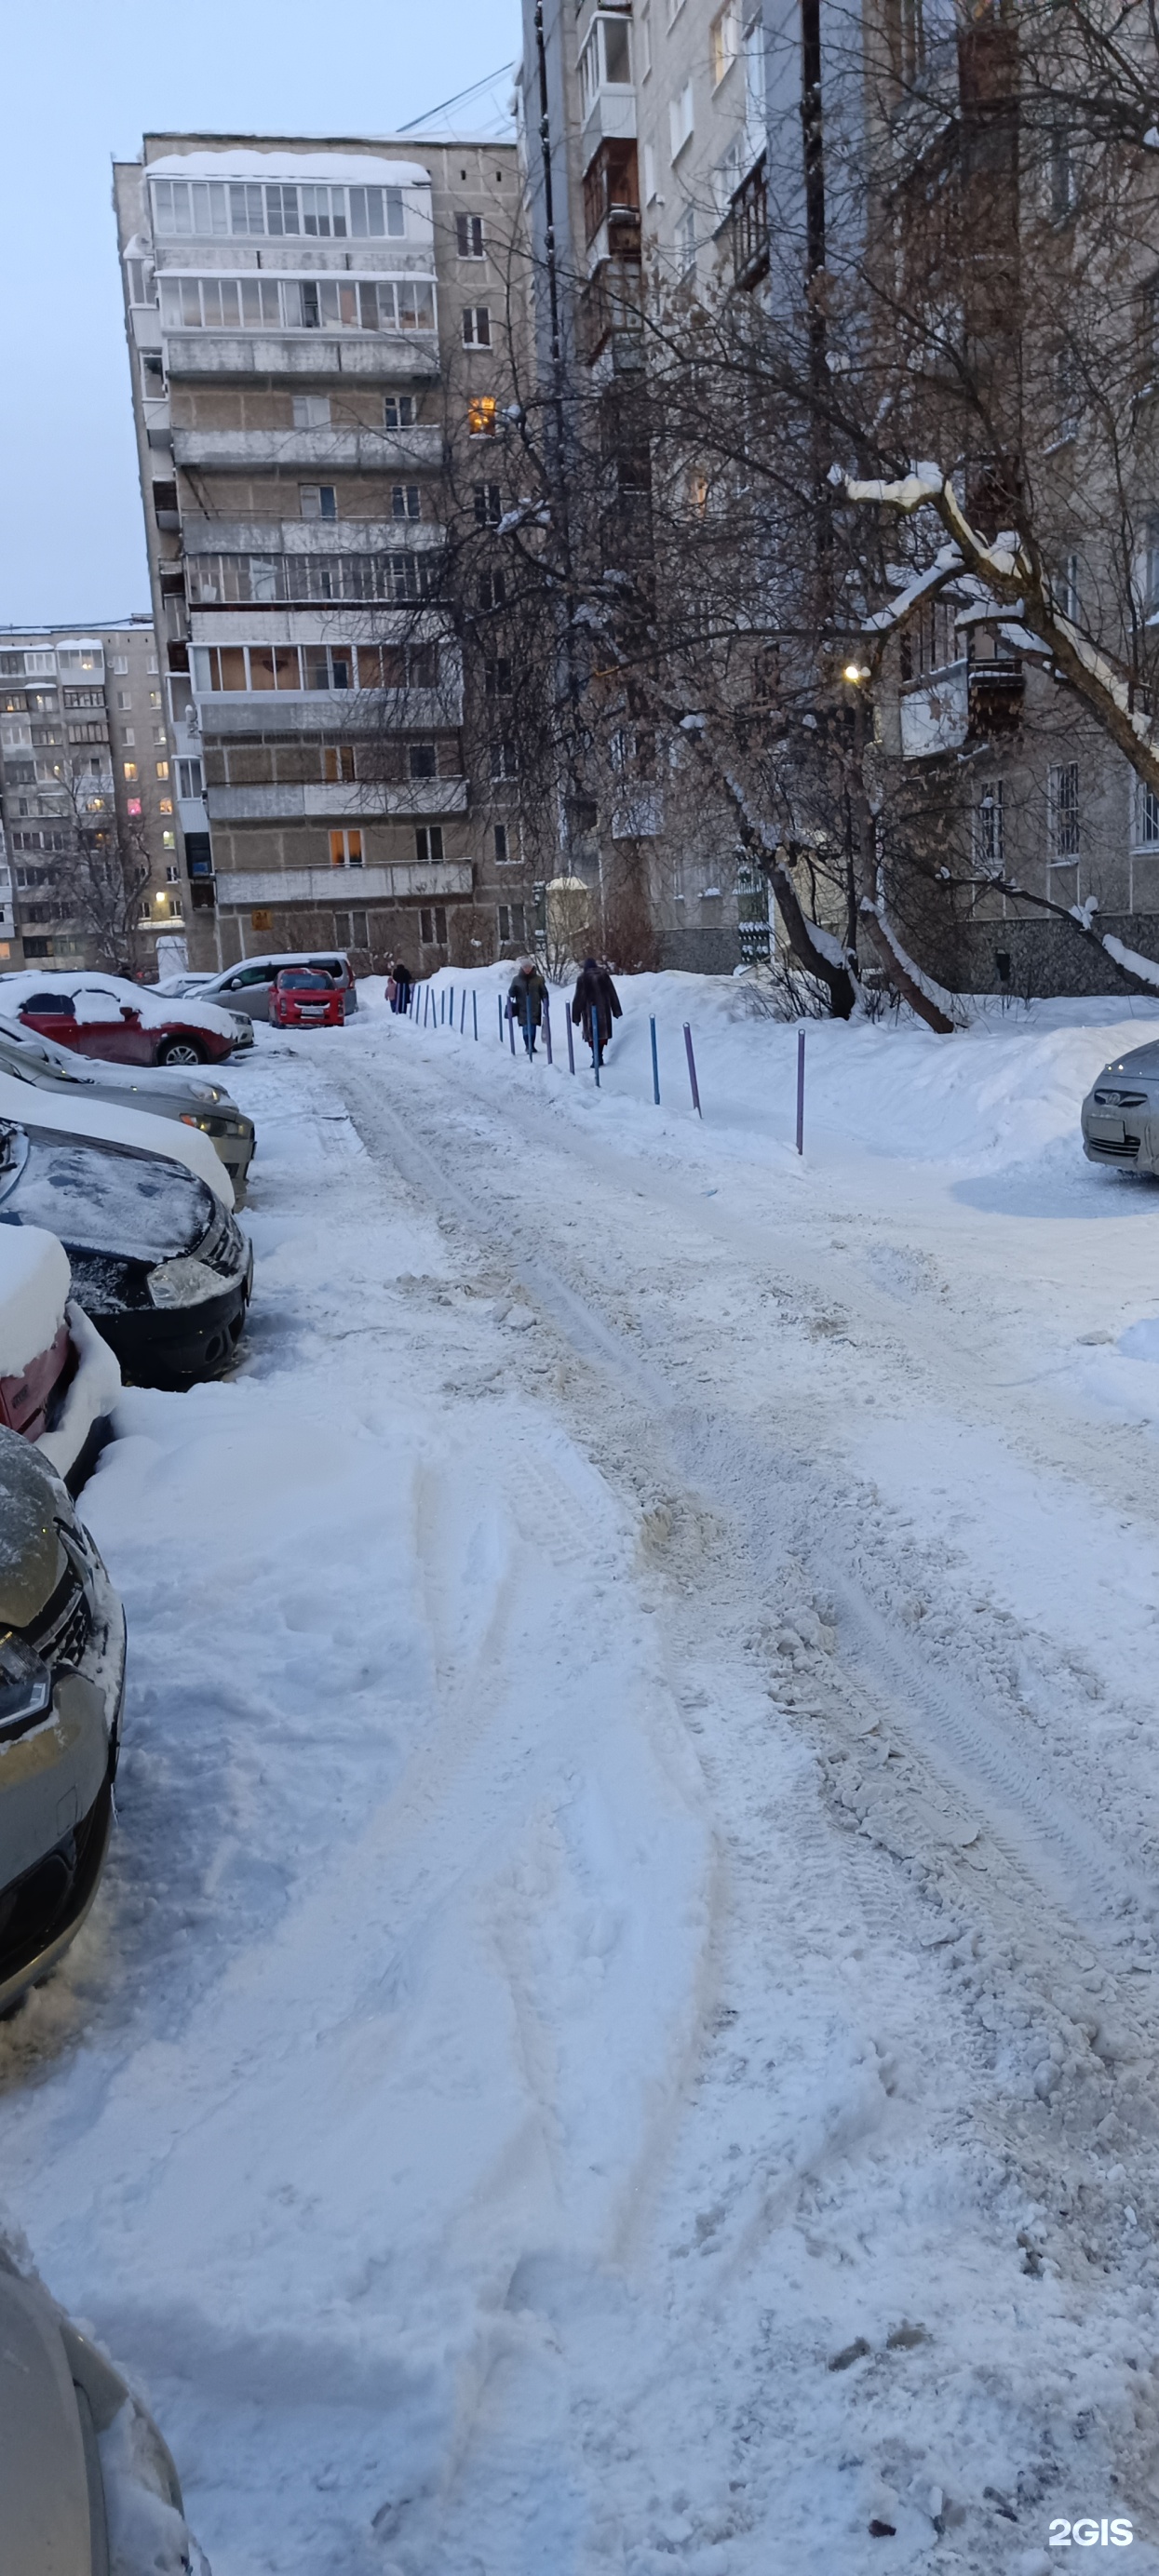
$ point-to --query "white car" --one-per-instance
(75, 1114)
(165, 1091)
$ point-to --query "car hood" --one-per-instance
(107, 1198)
(32, 1559)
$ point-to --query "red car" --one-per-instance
(124, 1026)
(303, 998)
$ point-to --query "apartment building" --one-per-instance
(315, 341)
(87, 788)
(652, 166)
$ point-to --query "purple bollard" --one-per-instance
(475, 1010)
(463, 1012)
(499, 999)
(800, 1091)
(511, 1027)
(692, 1070)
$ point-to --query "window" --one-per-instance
(1062, 176)
(989, 829)
(503, 762)
(511, 919)
(120, 667)
(123, 698)
(1147, 835)
(406, 501)
(680, 120)
(317, 500)
(399, 411)
(172, 876)
(645, 43)
(617, 53)
(724, 40)
(154, 694)
(165, 804)
(482, 416)
(492, 589)
(488, 505)
(428, 844)
(649, 174)
(189, 780)
(476, 326)
(1066, 587)
(168, 840)
(159, 733)
(686, 241)
(340, 303)
(133, 804)
(423, 760)
(1062, 798)
(498, 679)
(499, 844)
(311, 411)
(129, 772)
(217, 208)
(337, 762)
(342, 930)
(128, 737)
(139, 273)
(345, 849)
(151, 666)
(308, 578)
(162, 768)
(433, 927)
(469, 236)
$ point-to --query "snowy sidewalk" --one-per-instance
(620, 2032)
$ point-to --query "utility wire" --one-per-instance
(457, 100)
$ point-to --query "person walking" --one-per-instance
(403, 984)
(595, 1005)
(525, 1001)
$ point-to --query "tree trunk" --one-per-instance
(834, 974)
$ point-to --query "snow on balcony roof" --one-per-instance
(351, 167)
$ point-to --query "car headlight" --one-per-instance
(25, 1687)
(188, 1119)
(183, 1282)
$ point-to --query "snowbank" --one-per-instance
(91, 1396)
(34, 1285)
(30, 1106)
(1004, 1091)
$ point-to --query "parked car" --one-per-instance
(102, 1015)
(62, 1679)
(158, 1263)
(80, 1113)
(58, 1380)
(161, 1091)
(248, 986)
(1120, 1115)
(86, 2479)
(304, 998)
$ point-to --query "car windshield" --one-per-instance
(106, 1198)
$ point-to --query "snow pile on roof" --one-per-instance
(358, 169)
(34, 1286)
(102, 997)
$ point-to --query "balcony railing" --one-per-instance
(750, 227)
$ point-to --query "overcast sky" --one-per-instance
(83, 80)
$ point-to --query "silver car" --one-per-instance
(248, 985)
(1120, 1115)
(62, 1681)
(195, 1099)
(85, 2477)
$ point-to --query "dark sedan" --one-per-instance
(157, 1262)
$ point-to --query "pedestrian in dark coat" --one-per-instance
(403, 984)
(525, 1001)
(595, 1004)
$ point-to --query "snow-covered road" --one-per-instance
(621, 2033)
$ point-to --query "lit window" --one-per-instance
(165, 805)
(482, 415)
(168, 840)
(162, 769)
(134, 805)
(129, 768)
(346, 849)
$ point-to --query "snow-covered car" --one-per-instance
(103, 1015)
(1120, 1115)
(248, 986)
(304, 998)
(164, 1092)
(58, 1380)
(62, 1680)
(158, 1263)
(81, 1113)
(86, 2480)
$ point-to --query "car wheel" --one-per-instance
(179, 1051)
